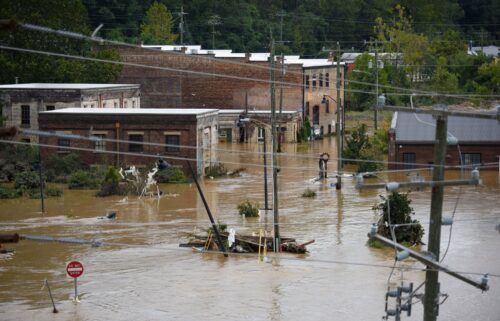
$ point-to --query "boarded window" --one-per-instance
(172, 143)
(25, 115)
(135, 143)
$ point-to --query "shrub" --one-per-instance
(9, 192)
(400, 213)
(111, 184)
(216, 170)
(63, 165)
(83, 180)
(172, 175)
(47, 192)
(27, 180)
(309, 193)
(248, 209)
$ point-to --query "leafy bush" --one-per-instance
(27, 180)
(304, 133)
(47, 192)
(309, 193)
(9, 192)
(172, 175)
(111, 184)
(63, 165)
(83, 180)
(398, 206)
(216, 170)
(248, 209)
(356, 143)
(15, 159)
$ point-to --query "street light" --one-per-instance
(339, 140)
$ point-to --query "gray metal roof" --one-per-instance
(59, 86)
(421, 128)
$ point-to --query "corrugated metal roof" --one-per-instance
(132, 111)
(65, 86)
(421, 128)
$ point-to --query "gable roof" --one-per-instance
(420, 129)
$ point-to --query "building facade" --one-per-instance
(320, 95)
(22, 102)
(138, 137)
(412, 137)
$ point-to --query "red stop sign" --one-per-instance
(74, 269)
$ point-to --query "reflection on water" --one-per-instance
(144, 275)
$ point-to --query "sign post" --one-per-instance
(75, 270)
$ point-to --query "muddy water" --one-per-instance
(142, 274)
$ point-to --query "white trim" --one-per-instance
(172, 133)
(135, 133)
(99, 132)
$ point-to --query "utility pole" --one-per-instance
(281, 14)
(181, 24)
(434, 242)
(214, 21)
(282, 60)
(375, 113)
(276, 243)
(338, 186)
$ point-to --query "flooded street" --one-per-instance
(141, 273)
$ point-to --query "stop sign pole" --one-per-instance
(75, 270)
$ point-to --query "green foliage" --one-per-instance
(304, 132)
(26, 181)
(171, 175)
(248, 209)
(157, 26)
(309, 193)
(356, 143)
(15, 159)
(396, 209)
(111, 184)
(84, 180)
(47, 192)
(216, 170)
(9, 192)
(62, 166)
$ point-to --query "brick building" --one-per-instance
(22, 102)
(173, 134)
(412, 136)
(231, 129)
(320, 79)
(190, 79)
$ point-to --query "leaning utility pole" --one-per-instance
(340, 131)
(434, 243)
(276, 243)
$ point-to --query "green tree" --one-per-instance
(157, 25)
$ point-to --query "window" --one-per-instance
(471, 159)
(327, 80)
(409, 160)
(126, 103)
(321, 79)
(25, 115)
(63, 142)
(26, 140)
(307, 109)
(115, 104)
(329, 128)
(173, 142)
(314, 81)
(100, 144)
(316, 115)
(133, 103)
(51, 108)
(307, 81)
(137, 146)
(327, 105)
(91, 105)
(104, 105)
(84, 105)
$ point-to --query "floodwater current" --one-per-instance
(141, 273)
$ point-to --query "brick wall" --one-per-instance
(173, 89)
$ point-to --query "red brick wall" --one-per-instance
(153, 127)
(173, 89)
(424, 153)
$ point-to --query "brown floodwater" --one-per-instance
(140, 273)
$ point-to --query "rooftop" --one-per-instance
(420, 128)
(65, 86)
(132, 111)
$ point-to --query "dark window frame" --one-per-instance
(471, 159)
(409, 160)
(50, 107)
(136, 147)
(327, 79)
(172, 149)
(25, 115)
(307, 81)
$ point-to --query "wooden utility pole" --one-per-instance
(431, 298)
(275, 150)
(338, 186)
(282, 77)
(375, 112)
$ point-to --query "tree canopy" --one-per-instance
(157, 26)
